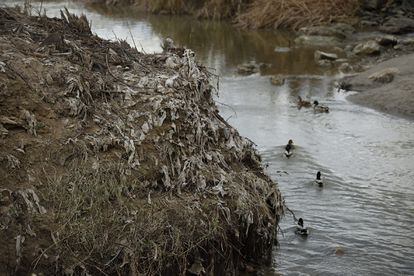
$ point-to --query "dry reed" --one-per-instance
(294, 14)
(291, 14)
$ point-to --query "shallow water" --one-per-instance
(366, 206)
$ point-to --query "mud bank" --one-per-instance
(117, 162)
(387, 86)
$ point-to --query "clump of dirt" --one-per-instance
(117, 162)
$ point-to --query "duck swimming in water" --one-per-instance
(319, 108)
(302, 103)
(318, 179)
(300, 229)
(289, 148)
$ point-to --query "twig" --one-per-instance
(226, 105)
(133, 40)
(18, 74)
(287, 208)
(44, 251)
(115, 77)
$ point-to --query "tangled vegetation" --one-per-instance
(291, 14)
(294, 14)
(117, 162)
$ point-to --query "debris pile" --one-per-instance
(115, 162)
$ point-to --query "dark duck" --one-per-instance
(319, 108)
(318, 179)
(289, 148)
(300, 229)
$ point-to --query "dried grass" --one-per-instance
(144, 178)
(294, 14)
(291, 14)
(106, 225)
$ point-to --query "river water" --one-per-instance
(366, 207)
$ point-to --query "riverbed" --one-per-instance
(365, 211)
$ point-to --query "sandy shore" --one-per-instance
(396, 97)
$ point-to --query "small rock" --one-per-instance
(343, 85)
(2, 67)
(249, 269)
(319, 55)
(277, 80)
(345, 68)
(384, 76)
(368, 48)
(341, 60)
(197, 268)
(397, 47)
(387, 40)
(263, 66)
(5, 197)
(324, 63)
(407, 41)
(338, 49)
(339, 251)
(348, 48)
(373, 4)
(338, 30)
(398, 25)
(368, 23)
(316, 40)
(248, 68)
(344, 27)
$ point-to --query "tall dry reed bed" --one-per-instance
(291, 14)
(294, 14)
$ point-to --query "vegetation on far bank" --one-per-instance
(291, 14)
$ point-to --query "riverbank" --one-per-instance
(386, 57)
(377, 32)
(374, 55)
(117, 162)
(274, 14)
(387, 87)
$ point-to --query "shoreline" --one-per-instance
(395, 97)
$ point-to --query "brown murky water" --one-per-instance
(367, 158)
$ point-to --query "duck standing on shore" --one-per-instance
(318, 179)
(319, 108)
(302, 103)
(289, 148)
(300, 229)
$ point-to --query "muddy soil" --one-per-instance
(391, 94)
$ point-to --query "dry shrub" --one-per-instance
(165, 6)
(296, 13)
(135, 180)
(104, 229)
(255, 13)
(219, 9)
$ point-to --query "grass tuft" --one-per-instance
(293, 14)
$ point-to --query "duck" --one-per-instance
(318, 179)
(300, 229)
(289, 148)
(302, 103)
(319, 108)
